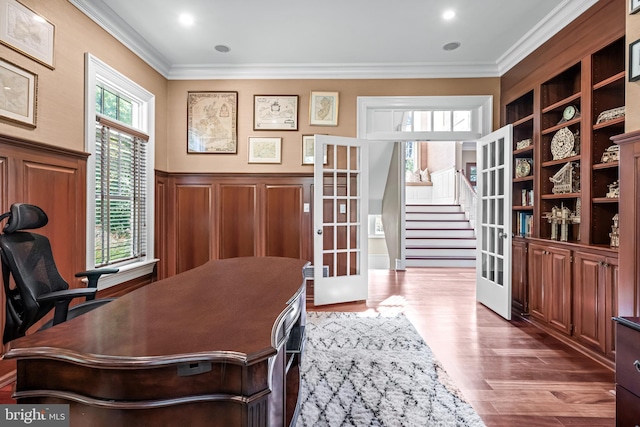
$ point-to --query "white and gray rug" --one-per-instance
(363, 370)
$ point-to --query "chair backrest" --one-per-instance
(28, 258)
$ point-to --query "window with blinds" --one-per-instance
(120, 193)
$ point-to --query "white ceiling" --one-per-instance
(332, 38)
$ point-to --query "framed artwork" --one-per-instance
(212, 122)
(265, 150)
(18, 94)
(275, 112)
(634, 61)
(323, 109)
(27, 32)
(471, 172)
(308, 151)
(634, 6)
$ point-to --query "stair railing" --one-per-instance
(466, 197)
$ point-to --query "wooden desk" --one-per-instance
(206, 347)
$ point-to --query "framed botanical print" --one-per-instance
(212, 121)
(27, 32)
(275, 112)
(18, 94)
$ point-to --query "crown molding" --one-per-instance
(105, 17)
(333, 71)
(556, 20)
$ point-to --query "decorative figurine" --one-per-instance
(611, 154)
(615, 232)
(614, 190)
(523, 143)
(612, 114)
(560, 218)
(566, 180)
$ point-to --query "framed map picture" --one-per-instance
(212, 120)
(26, 32)
(275, 112)
(323, 109)
(308, 150)
(265, 150)
(17, 94)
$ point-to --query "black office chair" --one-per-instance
(39, 288)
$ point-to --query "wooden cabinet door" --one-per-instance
(519, 289)
(611, 309)
(589, 300)
(536, 257)
(557, 296)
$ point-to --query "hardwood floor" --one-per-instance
(511, 372)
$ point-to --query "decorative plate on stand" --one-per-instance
(562, 144)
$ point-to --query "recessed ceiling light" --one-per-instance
(451, 46)
(448, 14)
(222, 48)
(186, 19)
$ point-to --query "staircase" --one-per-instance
(439, 236)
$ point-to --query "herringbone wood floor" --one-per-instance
(511, 372)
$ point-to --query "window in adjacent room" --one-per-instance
(120, 173)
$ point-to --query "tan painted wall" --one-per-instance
(632, 113)
(60, 109)
(349, 90)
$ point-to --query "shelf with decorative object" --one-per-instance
(578, 105)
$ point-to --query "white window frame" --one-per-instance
(96, 72)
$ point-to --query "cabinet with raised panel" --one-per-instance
(550, 286)
(594, 289)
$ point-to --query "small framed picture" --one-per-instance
(275, 112)
(265, 150)
(323, 109)
(27, 32)
(634, 61)
(18, 94)
(308, 151)
(634, 6)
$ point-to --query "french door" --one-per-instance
(493, 258)
(340, 219)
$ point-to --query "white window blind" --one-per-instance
(120, 193)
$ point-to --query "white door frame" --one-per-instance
(366, 105)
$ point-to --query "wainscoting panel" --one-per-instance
(161, 246)
(54, 189)
(284, 224)
(194, 225)
(215, 216)
(238, 221)
(54, 179)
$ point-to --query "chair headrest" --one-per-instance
(24, 216)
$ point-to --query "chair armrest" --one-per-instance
(94, 275)
(67, 295)
(62, 299)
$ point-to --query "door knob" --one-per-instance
(319, 232)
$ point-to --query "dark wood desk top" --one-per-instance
(170, 321)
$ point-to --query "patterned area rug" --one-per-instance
(363, 370)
